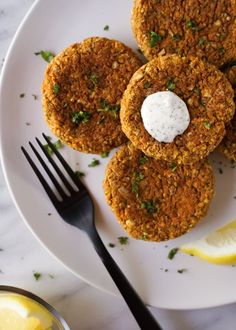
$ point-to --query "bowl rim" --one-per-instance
(25, 293)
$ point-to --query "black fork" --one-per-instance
(77, 210)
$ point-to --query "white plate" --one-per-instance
(53, 25)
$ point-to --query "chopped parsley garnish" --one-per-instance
(22, 95)
(37, 276)
(95, 80)
(94, 162)
(143, 159)
(150, 206)
(137, 178)
(176, 37)
(202, 103)
(56, 88)
(46, 55)
(154, 38)
(58, 145)
(201, 41)
(207, 124)
(79, 174)
(113, 109)
(173, 166)
(147, 84)
(192, 25)
(197, 90)
(80, 117)
(181, 271)
(123, 240)
(112, 245)
(106, 28)
(170, 84)
(172, 253)
(104, 154)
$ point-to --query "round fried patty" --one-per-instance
(228, 144)
(154, 200)
(207, 94)
(82, 90)
(206, 29)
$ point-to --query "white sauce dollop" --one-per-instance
(165, 116)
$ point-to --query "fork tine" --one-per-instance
(44, 183)
(57, 169)
(65, 164)
(49, 173)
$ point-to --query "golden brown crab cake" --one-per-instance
(206, 29)
(154, 200)
(82, 89)
(228, 144)
(207, 94)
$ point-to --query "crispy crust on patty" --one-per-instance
(228, 144)
(206, 29)
(153, 200)
(207, 94)
(88, 79)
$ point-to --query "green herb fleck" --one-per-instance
(51, 276)
(197, 90)
(113, 109)
(207, 124)
(106, 28)
(46, 55)
(150, 206)
(56, 88)
(144, 236)
(137, 178)
(147, 84)
(94, 162)
(181, 271)
(79, 174)
(58, 145)
(154, 38)
(80, 117)
(123, 240)
(172, 253)
(176, 37)
(202, 103)
(37, 276)
(95, 80)
(173, 167)
(201, 41)
(170, 84)
(104, 154)
(22, 95)
(143, 159)
(192, 25)
(112, 245)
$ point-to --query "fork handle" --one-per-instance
(140, 312)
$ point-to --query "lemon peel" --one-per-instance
(217, 247)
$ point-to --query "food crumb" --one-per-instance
(172, 253)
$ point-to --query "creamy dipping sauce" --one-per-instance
(165, 116)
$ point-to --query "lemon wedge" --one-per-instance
(217, 247)
(22, 313)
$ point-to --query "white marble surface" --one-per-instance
(83, 306)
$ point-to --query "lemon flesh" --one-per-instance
(217, 247)
(21, 313)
